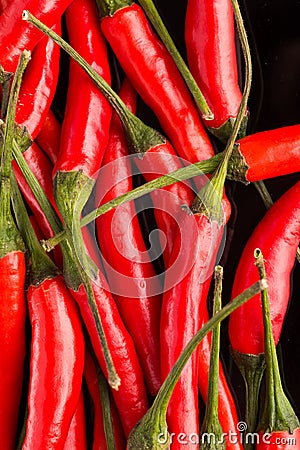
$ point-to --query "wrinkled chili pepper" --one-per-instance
(99, 439)
(49, 136)
(15, 35)
(153, 73)
(279, 425)
(76, 438)
(277, 235)
(120, 237)
(57, 345)
(39, 85)
(211, 53)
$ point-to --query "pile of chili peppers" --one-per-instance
(134, 177)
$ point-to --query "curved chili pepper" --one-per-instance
(15, 35)
(117, 233)
(49, 136)
(76, 439)
(87, 118)
(153, 73)
(130, 398)
(92, 381)
(39, 85)
(267, 154)
(57, 346)
(211, 53)
(277, 235)
(182, 308)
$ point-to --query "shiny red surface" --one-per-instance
(17, 35)
(121, 241)
(76, 438)
(183, 306)
(277, 235)
(271, 153)
(56, 365)
(39, 85)
(131, 398)
(49, 136)
(211, 52)
(12, 343)
(87, 117)
(281, 440)
(156, 78)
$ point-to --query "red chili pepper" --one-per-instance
(211, 52)
(277, 235)
(153, 73)
(99, 439)
(120, 236)
(39, 85)
(130, 398)
(49, 136)
(16, 35)
(86, 123)
(183, 303)
(281, 440)
(268, 154)
(12, 326)
(76, 439)
(57, 346)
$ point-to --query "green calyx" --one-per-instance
(109, 7)
(139, 136)
(68, 187)
(252, 368)
(10, 237)
(224, 131)
(278, 414)
(238, 168)
(150, 433)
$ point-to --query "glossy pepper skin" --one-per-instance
(131, 397)
(57, 348)
(227, 411)
(85, 128)
(16, 35)
(121, 242)
(183, 303)
(154, 75)
(277, 235)
(76, 438)
(39, 85)
(99, 440)
(12, 343)
(271, 153)
(211, 53)
(49, 136)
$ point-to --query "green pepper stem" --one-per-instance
(163, 33)
(154, 420)
(106, 410)
(5, 82)
(278, 414)
(140, 137)
(9, 127)
(42, 266)
(211, 423)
